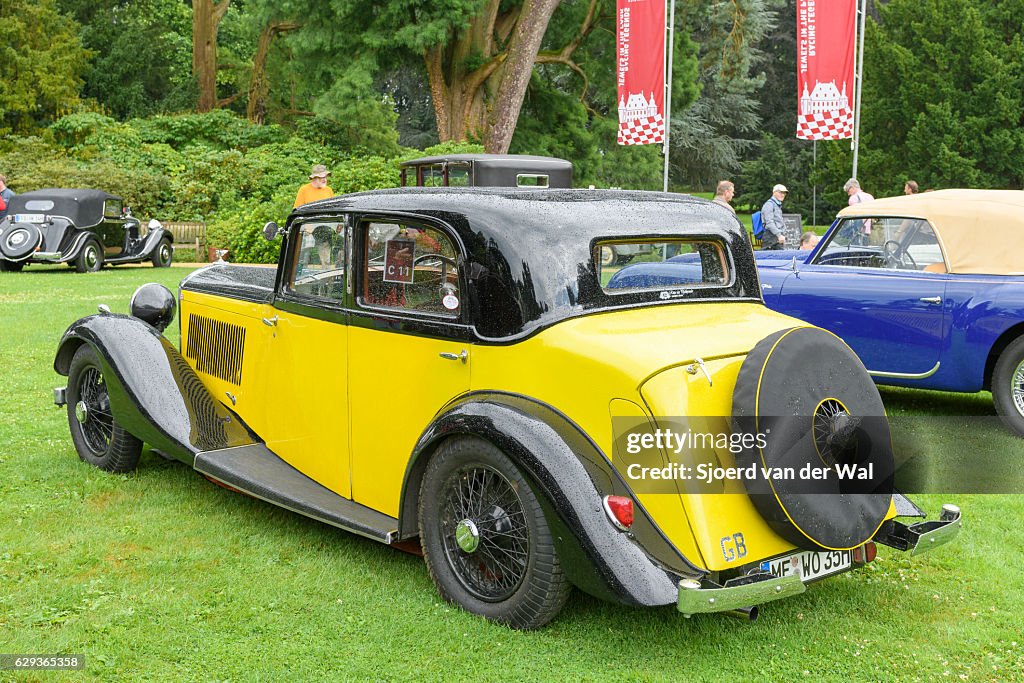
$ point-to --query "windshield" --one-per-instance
(886, 242)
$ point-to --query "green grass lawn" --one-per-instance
(162, 576)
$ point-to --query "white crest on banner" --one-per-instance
(639, 121)
(825, 98)
(636, 107)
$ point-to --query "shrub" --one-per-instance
(240, 229)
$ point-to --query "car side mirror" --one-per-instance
(271, 230)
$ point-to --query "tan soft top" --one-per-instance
(980, 231)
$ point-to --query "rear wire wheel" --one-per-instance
(485, 538)
(97, 436)
(1008, 386)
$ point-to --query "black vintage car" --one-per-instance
(82, 228)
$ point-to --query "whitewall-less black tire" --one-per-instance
(1008, 386)
(485, 539)
(97, 436)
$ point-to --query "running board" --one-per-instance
(258, 472)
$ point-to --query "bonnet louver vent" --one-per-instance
(216, 347)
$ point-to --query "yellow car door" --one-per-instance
(408, 348)
(305, 416)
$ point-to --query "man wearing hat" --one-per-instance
(774, 226)
(316, 188)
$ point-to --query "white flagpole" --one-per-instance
(668, 86)
(859, 79)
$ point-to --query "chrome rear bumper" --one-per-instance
(742, 596)
(700, 598)
(924, 536)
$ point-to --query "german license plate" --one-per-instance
(810, 565)
(29, 218)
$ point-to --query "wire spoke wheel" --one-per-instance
(97, 436)
(1017, 388)
(483, 527)
(93, 411)
(1007, 385)
(485, 537)
(830, 425)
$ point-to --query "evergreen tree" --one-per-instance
(43, 62)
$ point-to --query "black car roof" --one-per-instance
(526, 220)
(533, 248)
(509, 160)
(84, 207)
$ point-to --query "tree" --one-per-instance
(478, 76)
(259, 86)
(206, 18)
(710, 138)
(571, 107)
(478, 54)
(956, 118)
(141, 54)
(43, 62)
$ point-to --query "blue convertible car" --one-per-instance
(927, 289)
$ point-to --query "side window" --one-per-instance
(410, 267)
(319, 266)
(458, 175)
(922, 248)
(626, 267)
(433, 175)
(112, 208)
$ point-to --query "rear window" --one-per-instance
(38, 205)
(678, 264)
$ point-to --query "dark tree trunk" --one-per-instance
(259, 86)
(206, 17)
(483, 102)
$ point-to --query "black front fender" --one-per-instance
(154, 394)
(571, 476)
(153, 238)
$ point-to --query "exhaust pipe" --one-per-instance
(744, 613)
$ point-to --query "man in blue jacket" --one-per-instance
(774, 236)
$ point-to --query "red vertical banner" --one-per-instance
(825, 32)
(640, 32)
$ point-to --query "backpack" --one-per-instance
(758, 224)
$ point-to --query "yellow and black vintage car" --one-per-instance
(458, 366)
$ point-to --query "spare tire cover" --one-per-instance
(811, 406)
(20, 240)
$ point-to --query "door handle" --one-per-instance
(935, 300)
(270, 322)
(453, 356)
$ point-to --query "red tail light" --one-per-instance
(865, 553)
(620, 511)
(870, 550)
